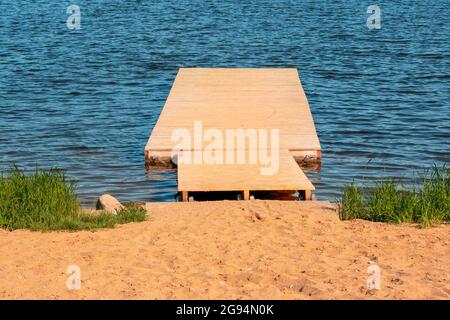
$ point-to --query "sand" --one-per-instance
(230, 250)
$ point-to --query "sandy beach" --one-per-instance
(230, 250)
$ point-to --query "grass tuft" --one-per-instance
(390, 201)
(46, 200)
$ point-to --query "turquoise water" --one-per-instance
(86, 100)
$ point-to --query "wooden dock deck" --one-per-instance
(242, 178)
(237, 99)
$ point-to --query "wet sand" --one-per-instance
(230, 250)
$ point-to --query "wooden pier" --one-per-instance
(237, 99)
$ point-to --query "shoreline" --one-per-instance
(230, 250)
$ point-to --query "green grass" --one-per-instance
(389, 201)
(46, 200)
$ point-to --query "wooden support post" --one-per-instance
(246, 194)
(184, 196)
(308, 195)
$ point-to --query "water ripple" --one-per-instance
(86, 100)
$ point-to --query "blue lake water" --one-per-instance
(86, 100)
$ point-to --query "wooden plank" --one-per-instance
(237, 99)
(308, 195)
(262, 101)
(240, 177)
